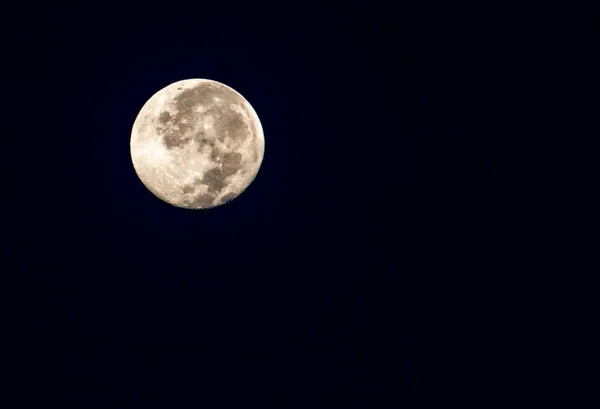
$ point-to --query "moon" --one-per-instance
(197, 144)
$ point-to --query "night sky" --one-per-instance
(376, 261)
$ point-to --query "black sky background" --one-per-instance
(377, 260)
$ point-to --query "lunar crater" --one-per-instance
(203, 201)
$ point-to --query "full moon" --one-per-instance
(197, 144)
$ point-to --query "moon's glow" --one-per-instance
(197, 144)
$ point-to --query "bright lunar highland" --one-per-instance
(197, 144)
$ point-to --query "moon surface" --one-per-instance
(197, 144)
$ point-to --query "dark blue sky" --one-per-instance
(366, 266)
